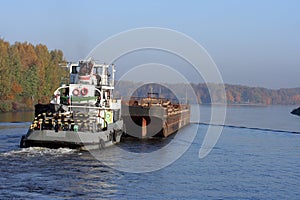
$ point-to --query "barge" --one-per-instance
(153, 116)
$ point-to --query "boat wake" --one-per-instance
(39, 151)
(246, 127)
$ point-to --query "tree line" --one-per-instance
(239, 94)
(28, 74)
(31, 73)
(199, 93)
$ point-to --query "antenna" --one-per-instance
(186, 101)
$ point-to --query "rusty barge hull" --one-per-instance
(154, 120)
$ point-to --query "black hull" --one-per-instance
(24, 143)
(81, 140)
(296, 111)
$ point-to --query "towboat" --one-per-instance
(82, 114)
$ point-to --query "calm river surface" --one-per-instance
(244, 164)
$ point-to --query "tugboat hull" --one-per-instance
(70, 139)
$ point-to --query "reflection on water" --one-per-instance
(17, 116)
(144, 145)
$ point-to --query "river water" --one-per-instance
(245, 163)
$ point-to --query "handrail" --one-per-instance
(92, 107)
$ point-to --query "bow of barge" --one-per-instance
(153, 116)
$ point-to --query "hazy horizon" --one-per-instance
(253, 43)
(196, 83)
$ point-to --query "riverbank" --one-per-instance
(14, 106)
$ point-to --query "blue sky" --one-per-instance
(254, 43)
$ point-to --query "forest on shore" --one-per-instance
(28, 73)
(31, 73)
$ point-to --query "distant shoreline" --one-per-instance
(204, 104)
(236, 104)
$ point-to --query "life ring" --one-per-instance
(75, 92)
(84, 91)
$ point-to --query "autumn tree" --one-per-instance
(5, 72)
(27, 73)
